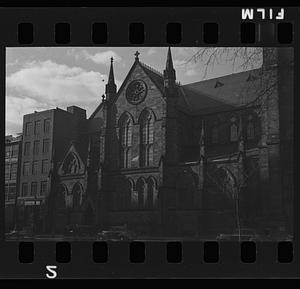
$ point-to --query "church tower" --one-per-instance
(106, 150)
(110, 91)
(171, 159)
(169, 73)
(171, 93)
(110, 87)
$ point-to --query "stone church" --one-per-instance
(184, 160)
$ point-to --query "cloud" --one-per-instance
(56, 83)
(13, 63)
(188, 68)
(151, 51)
(191, 72)
(179, 63)
(99, 57)
(103, 57)
(16, 108)
(184, 51)
(41, 85)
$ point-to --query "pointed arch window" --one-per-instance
(128, 193)
(77, 196)
(125, 127)
(71, 165)
(61, 197)
(250, 128)
(142, 194)
(124, 194)
(233, 129)
(151, 193)
(146, 138)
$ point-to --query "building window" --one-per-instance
(26, 169)
(6, 192)
(250, 128)
(146, 138)
(43, 188)
(142, 195)
(12, 189)
(24, 190)
(124, 189)
(44, 167)
(46, 145)
(7, 171)
(36, 147)
(28, 128)
(15, 150)
(37, 127)
(35, 168)
(10, 192)
(61, 201)
(151, 193)
(233, 130)
(33, 188)
(125, 125)
(13, 171)
(46, 125)
(71, 164)
(27, 149)
(7, 151)
(128, 193)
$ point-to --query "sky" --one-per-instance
(41, 78)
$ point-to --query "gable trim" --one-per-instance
(127, 77)
(74, 151)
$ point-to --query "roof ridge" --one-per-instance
(151, 69)
(185, 98)
(212, 97)
(156, 71)
(226, 75)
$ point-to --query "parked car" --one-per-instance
(245, 235)
(80, 231)
(17, 234)
(114, 235)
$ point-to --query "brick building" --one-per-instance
(161, 157)
(46, 138)
(12, 168)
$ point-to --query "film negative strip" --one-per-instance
(148, 142)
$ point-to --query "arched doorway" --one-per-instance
(60, 216)
(77, 193)
(142, 193)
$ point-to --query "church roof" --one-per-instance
(154, 75)
(96, 110)
(208, 96)
(219, 94)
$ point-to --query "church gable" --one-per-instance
(137, 112)
(142, 88)
(72, 163)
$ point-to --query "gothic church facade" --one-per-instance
(195, 159)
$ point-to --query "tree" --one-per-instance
(232, 185)
(245, 58)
